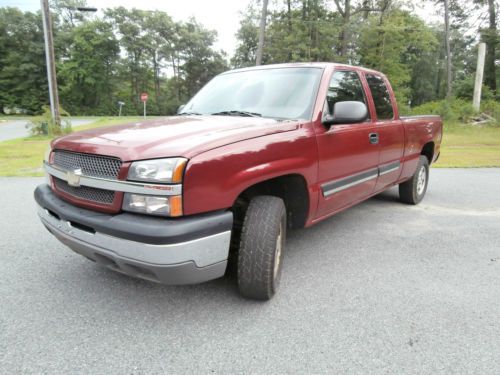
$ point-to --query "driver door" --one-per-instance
(348, 153)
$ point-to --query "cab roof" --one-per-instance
(319, 65)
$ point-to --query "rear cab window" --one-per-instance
(345, 85)
(381, 97)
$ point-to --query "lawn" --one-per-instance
(466, 146)
(23, 157)
(463, 146)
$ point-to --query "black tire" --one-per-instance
(264, 227)
(412, 191)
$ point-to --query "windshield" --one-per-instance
(282, 93)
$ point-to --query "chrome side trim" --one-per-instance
(335, 186)
(388, 168)
(116, 185)
(388, 171)
(345, 183)
(202, 251)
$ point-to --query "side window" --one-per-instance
(381, 97)
(344, 86)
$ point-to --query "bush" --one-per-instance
(45, 125)
(449, 110)
(464, 89)
(492, 108)
(458, 110)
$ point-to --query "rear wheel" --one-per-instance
(261, 247)
(413, 190)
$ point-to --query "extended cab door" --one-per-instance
(389, 129)
(348, 153)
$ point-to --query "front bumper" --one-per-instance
(170, 251)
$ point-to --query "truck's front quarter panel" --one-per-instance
(214, 179)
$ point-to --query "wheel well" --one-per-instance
(291, 188)
(428, 151)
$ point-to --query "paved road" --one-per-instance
(381, 288)
(12, 129)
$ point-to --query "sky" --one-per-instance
(220, 15)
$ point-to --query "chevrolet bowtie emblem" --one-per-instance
(73, 177)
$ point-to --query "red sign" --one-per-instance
(144, 96)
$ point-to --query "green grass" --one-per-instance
(24, 156)
(463, 146)
(466, 146)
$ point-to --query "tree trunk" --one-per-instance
(174, 68)
(344, 38)
(290, 29)
(345, 13)
(156, 74)
(366, 6)
(262, 33)
(491, 40)
(448, 49)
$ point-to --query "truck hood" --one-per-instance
(184, 136)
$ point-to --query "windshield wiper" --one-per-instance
(237, 113)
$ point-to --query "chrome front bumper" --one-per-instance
(187, 262)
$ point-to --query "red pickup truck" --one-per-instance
(255, 152)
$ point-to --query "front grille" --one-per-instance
(91, 165)
(85, 192)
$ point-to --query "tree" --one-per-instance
(398, 46)
(247, 36)
(163, 39)
(448, 49)
(490, 37)
(23, 79)
(87, 75)
(199, 61)
(135, 42)
(305, 32)
(67, 13)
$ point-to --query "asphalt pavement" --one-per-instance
(12, 129)
(381, 288)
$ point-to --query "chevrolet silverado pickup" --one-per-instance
(255, 152)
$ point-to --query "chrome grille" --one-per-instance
(85, 192)
(91, 165)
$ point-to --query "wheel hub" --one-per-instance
(421, 180)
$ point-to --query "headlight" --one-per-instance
(153, 205)
(158, 170)
(166, 171)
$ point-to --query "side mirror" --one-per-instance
(181, 107)
(348, 112)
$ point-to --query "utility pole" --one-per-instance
(51, 63)
(262, 32)
(476, 100)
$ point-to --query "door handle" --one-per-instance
(373, 138)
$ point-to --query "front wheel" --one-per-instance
(261, 247)
(413, 190)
